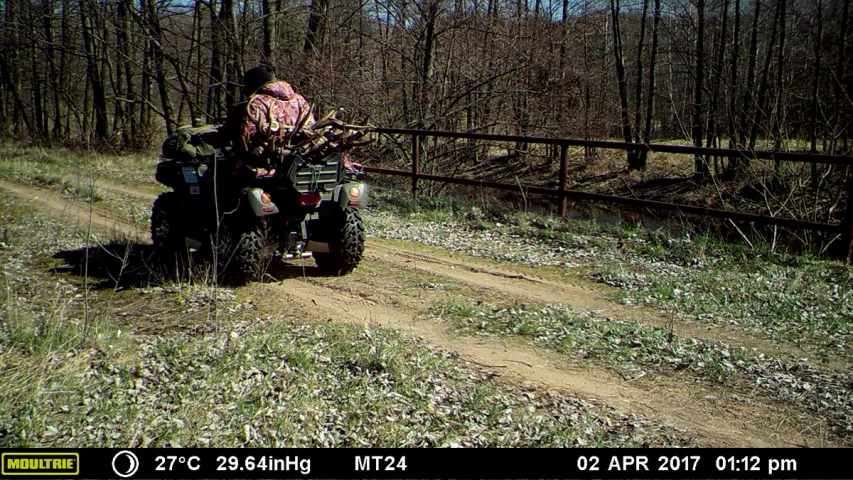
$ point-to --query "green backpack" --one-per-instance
(186, 143)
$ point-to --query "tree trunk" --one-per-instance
(147, 92)
(762, 89)
(200, 90)
(127, 61)
(734, 165)
(216, 89)
(12, 68)
(748, 101)
(65, 39)
(564, 31)
(587, 96)
(700, 162)
(715, 90)
(93, 72)
(424, 111)
(620, 77)
(818, 40)
(243, 39)
(316, 27)
(779, 104)
(159, 63)
(38, 106)
(404, 97)
(228, 19)
(47, 19)
(270, 36)
(839, 83)
(650, 106)
(638, 97)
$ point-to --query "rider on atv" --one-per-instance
(265, 97)
(258, 127)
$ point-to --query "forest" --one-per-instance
(771, 74)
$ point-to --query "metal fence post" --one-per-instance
(416, 160)
(564, 179)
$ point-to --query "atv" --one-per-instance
(222, 212)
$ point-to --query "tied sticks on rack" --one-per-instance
(328, 135)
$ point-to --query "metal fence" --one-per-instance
(844, 229)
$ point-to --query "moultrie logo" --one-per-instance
(40, 463)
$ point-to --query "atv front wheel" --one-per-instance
(343, 229)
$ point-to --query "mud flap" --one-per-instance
(319, 247)
(192, 243)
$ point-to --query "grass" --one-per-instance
(582, 335)
(800, 298)
(46, 170)
(632, 350)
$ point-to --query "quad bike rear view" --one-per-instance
(305, 201)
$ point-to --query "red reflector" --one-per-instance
(311, 199)
(268, 209)
(354, 203)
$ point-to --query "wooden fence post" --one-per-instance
(564, 180)
(416, 160)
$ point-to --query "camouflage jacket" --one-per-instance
(262, 124)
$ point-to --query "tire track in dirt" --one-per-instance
(518, 285)
(134, 190)
(719, 423)
(77, 213)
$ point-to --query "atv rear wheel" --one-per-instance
(240, 256)
(249, 257)
(167, 233)
(343, 229)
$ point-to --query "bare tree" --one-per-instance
(701, 164)
(315, 32)
(93, 71)
(621, 80)
(650, 106)
(818, 41)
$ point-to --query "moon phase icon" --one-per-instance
(131, 468)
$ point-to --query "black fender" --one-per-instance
(343, 195)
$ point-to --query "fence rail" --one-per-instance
(845, 228)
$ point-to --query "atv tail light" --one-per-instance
(268, 209)
(310, 200)
(354, 192)
(265, 198)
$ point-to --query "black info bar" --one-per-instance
(425, 463)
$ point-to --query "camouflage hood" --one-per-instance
(278, 89)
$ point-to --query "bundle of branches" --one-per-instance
(324, 137)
